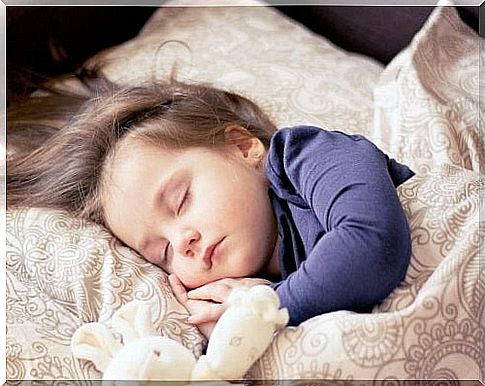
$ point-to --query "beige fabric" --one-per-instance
(426, 100)
(63, 272)
(294, 75)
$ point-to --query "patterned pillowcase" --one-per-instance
(63, 272)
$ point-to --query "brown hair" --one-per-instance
(78, 132)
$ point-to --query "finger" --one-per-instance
(220, 290)
(206, 329)
(211, 313)
(212, 291)
(263, 281)
(178, 289)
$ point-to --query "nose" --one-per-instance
(187, 243)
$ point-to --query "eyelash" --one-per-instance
(164, 255)
(183, 202)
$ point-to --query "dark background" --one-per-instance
(44, 42)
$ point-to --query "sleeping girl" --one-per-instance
(200, 183)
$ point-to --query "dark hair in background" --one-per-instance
(48, 41)
(73, 135)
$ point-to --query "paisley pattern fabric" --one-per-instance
(427, 99)
(422, 109)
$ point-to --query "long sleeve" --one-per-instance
(363, 247)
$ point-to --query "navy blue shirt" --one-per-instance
(344, 238)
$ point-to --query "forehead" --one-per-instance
(135, 163)
(130, 176)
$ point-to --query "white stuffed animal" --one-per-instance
(239, 338)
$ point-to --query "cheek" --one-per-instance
(235, 204)
(220, 211)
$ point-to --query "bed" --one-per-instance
(422, 108)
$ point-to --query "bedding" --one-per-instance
(422, 109)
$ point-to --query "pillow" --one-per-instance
(295, 76)
(62, 272)
(427, 98)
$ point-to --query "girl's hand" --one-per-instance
(207, 303)
(215, 294)
(193, 306)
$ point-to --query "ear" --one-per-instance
(94, 342)
(245, 145)
(133, 321)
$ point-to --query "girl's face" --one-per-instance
(194, 212)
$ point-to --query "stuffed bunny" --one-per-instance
(239, 338)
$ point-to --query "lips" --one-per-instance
(209, 253)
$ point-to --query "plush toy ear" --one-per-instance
(133, 321)
(94, 342)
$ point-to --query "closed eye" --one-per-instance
(164, 255)
(183, 202)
